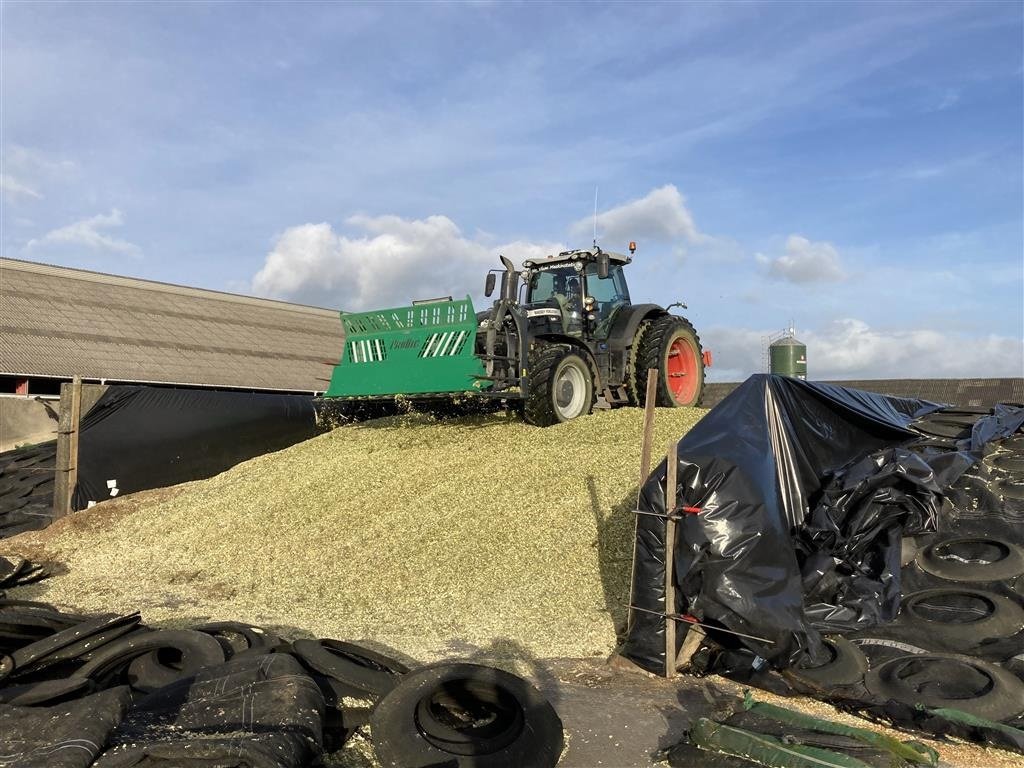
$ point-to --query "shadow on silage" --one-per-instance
(615, 534)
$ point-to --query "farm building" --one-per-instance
(57, 323)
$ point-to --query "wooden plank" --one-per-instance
(671, 467)
(76, 418)
(60, 478)
(647, 435)
(66, 474)
(648, 431)
(692, 642)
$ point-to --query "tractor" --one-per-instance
(561, 338)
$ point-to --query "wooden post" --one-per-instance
(648, 433)
(671, 466)
(66, 477)
(76, 418)
(645, 453)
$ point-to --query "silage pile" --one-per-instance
(430, 537)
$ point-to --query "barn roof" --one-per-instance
(62, 322)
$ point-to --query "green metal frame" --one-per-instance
(417, 350)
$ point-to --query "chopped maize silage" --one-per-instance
(429, 537)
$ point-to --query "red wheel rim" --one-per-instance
(681, 367)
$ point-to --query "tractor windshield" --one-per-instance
(561, 284)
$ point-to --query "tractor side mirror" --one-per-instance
(489, 284)
(602, 265)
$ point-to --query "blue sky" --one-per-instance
(853, 168)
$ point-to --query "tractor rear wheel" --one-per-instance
(671, 346)
(561, 386)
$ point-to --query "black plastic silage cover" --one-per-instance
(136, 438)
(805, 490)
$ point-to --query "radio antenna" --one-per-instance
(595, 216)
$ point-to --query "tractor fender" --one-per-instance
(583, 349)
(628, 322)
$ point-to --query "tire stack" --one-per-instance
(957, 640)
(950, 664)
(110, 692)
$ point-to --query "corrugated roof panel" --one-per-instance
(56, 321)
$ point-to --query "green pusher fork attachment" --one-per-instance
(418, 350)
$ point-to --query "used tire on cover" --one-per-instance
(42, 691)
(846, 666)
(671, 346)
(78, 638)
(361, 668)
(1008, 462)
(1011, 489)
(972, 558)
(941, 680)
(237, 638)
(962, 617)
(196, 650)
(463, 715)
(561, 386)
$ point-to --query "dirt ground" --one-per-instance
(616, 716)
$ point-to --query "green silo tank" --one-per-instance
(788, 357)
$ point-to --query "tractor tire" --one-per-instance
(561, 386)
(671, 346)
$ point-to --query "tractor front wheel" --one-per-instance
(671, 346)
(561, 386)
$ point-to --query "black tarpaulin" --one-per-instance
(136, 438)
(805, 490)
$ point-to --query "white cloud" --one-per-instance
(738, 352)
(25, 159)
(14, 190)
(390, 263)
(521, 250)
(27, 170)
(87, 233)
(805, 262)
(852, 349)
(660, 216)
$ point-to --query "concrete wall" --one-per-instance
(25, 420)
(90, 394)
